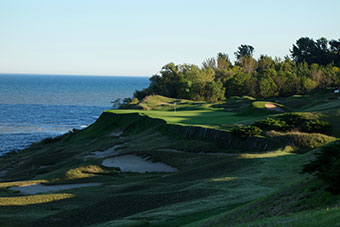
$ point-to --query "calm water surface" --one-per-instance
(33, 107)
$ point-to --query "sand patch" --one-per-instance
(134, 163)
(3, 173)
(116, 134)
(171, 150)
(107, 153)
(41, 188)
(272, 106)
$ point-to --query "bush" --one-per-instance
(326, 166)
(293, 119)
(316, 126)
(246, 131)
(272, 124)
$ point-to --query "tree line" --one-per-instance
(313, 65)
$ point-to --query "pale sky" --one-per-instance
(138, 37)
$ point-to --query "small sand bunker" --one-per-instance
(107, 153)
(171, 150)
(116, 134)
(134, 163)
(3, 173)
(41, 188)
(272, 106)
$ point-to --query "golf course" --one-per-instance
(154, 165)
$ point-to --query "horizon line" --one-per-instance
(72, 74)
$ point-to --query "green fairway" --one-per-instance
(205, 118)
(202, 113)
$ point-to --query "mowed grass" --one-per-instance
(204, 114)
(206, 118)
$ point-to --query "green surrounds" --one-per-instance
(223, 180)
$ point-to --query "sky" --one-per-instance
(138, 37)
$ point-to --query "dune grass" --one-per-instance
(21, 183)
(33, 199)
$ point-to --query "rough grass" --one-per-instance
(21, 183)
(302, 141)
(33, 199)
(85, 171)
(233, 188)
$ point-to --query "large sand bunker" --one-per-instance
(134, 163)
(41, 188)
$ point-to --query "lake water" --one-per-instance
(33, 107)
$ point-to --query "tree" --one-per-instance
(308, 50)
(314, 65)
(248, 63)
(223, 62)
(116, 103)
(335, 51)
(214, 91)
(264, 63)
(304, 50)
(210, 62)
(236, 86)
(267, 87)
(244, 51)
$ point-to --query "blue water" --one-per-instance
(33, 107)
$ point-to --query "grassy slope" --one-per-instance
(208, 189)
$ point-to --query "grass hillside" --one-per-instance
(217, 184)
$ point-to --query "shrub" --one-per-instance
(316, 126)
(246, 131)
(293, 119)
(326, 166)
(272, 124)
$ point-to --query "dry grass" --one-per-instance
(303, 139)
(84, 172)
(32, 199)
(21, 183)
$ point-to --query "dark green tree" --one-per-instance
(244, 51)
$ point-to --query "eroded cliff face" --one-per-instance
(223, 138)
(137, 121)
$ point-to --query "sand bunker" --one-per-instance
(272, 106)
(2, 174)
(116, 134)
(171, 150)
(107, 153)
(134, 163)
(41, 188)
